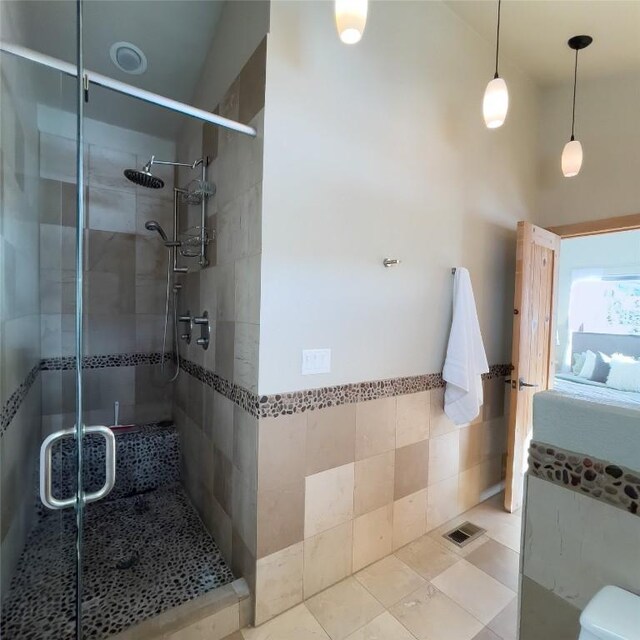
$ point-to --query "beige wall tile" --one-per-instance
(472, 442)
(372, 536)
(412, 469)
(469, 487)
(280, 443)
(344, 608)
(375, 427)
(389, 580)
(280, 518)
(331, 435)
(564, 547)
(430, 615)
(214, 627)
(327, 558)
(439, 422)
(374, 482)
(412, 419)
(494, 390)
(278, 582)
(444, 456)
(409, 518)
(328, 499)
(442, 502)
(494, 438)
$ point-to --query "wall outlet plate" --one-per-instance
(316, 361)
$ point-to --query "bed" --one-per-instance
(581, 388)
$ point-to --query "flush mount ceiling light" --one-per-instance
(572, 152)
(128, 58)
(351, 18)
(496, 96)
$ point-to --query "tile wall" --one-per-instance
(19, 307)
(341, 487)
(567, 560)
(219, 438)
(124, 280)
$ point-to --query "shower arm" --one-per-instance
(170, 163)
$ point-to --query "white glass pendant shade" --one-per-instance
(571, 158)
(351, 18)
(496, 103)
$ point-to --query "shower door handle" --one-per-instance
(110, 464)
(46, 481)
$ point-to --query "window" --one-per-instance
(608, 304)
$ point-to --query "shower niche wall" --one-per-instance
(173, 544)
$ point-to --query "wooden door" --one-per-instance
(537, 259)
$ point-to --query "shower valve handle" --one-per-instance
(185, 318)
(201, 320)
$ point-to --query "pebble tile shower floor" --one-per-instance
(143, 554)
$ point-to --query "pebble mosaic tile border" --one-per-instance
(103, 361)
(244, 398)
(12, 405)
(66, 363)
(599, 479)
(269, 406)
(272, 406)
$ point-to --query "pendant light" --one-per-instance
(351, 18)
(496, 96)
(572, 152)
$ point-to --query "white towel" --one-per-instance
(466, 360)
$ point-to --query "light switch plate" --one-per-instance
(316, 361)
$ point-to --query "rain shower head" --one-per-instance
(144, 177)
(152, 225)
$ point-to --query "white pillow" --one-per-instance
(620, 357)
(588, 366)
(624, 375)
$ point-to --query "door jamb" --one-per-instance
(597, 227)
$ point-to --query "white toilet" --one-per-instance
(612, 614)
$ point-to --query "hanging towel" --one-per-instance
(466, 360)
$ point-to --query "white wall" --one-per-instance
(380, 150)
(609, 254)
(607, 125)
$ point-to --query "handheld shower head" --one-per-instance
(144, 177)
(153, 225)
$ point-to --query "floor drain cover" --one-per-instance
(464, 534)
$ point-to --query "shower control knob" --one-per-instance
(185, 318)
(201, 320)
(203, 342)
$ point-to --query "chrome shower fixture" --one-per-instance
(196, 193)
(152, 225)
(145, 178)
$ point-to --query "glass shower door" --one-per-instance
(40, 544)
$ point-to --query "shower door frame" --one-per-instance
(84, 79)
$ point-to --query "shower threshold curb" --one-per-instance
(220, 612)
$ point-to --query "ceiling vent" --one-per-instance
(128, 58)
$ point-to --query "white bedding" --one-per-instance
(595, 391)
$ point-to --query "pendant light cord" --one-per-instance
(498, 39)
(575, 82)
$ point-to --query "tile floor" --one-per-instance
(428, 590)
